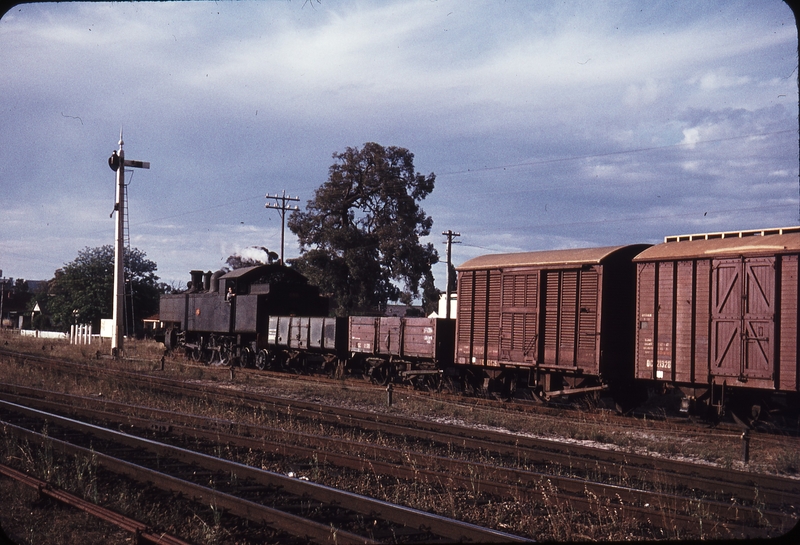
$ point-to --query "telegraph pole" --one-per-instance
(450, 235)
(117, 162)
(2, 296)
(281, 205)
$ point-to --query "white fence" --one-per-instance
(42, 334)
(80, 334)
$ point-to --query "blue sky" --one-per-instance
(547, 124)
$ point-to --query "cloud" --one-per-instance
(691, 136)
(712, 81)
(585, 124)
(641, 95)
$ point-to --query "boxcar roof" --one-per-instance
(739, 243)
(571, 257)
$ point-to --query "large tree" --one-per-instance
(360, 234)
(83, 290)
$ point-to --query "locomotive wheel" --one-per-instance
(197, 354)
(261, 359)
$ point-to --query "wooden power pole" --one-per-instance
(281, 205)
(450, 235)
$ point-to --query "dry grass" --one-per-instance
(553, 518)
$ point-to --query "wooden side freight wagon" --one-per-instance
(562, 320)
(717, 311)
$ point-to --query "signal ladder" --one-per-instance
(127, 301)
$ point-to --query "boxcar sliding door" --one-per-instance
(570, 318)
(518, 313)
(742, 318)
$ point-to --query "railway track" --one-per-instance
(141, 532)
(658, 421)
(737, 501)
(740, 508)
(302, 509)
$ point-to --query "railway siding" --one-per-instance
(180, 467)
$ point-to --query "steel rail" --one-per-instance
(511, 445)
(568, 455)
(523, 406)
(504, 482)
(506, 443)
(255, 512)
(141, 532)
(404, 516)
(724, 481)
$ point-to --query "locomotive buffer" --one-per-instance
(117, 162)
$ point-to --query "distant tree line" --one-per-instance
(82, 291)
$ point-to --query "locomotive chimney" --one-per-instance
(207, 281)
(197, 281)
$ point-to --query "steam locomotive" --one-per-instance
(703, 316)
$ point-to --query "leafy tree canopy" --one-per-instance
(83, 289)
(360, 235)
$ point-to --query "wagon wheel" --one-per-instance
(379, 374)
(279, 362)
(262, 358)
(451, 384)
(428, 383)
(335, 368)
(223, 355)
(471, 383)
(171, 339)
(246, 357)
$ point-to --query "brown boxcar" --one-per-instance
(564, 317)
(719, 309)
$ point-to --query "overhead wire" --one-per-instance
(610, 153)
